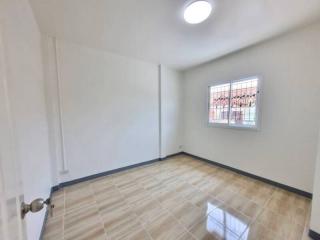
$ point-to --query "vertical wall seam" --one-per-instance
(49, 106)
(59, 99)
(160, 114)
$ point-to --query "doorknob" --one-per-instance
(35, 206)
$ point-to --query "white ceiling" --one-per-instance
(154, 30)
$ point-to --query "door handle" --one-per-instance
(36, 206)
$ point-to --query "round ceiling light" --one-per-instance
(197, 12)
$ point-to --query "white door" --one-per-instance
(11, 193)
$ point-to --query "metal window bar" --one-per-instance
(243, 102)
(234, 103)
(219, 104)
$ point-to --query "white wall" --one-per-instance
(171, 111)
(22, 42)
(110, 110)
(284, 150)
(315, 213)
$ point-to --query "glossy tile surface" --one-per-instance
(179, 199)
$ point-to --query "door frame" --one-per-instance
(9, 196)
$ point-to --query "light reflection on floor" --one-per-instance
(222, 223)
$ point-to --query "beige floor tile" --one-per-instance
(244, 206)
(93, 233)
(204, 201)
(148, 210)
(114, 216)
(83, 223)
(189, 214)
(209, 229)
(156, 190)
(290, 205)
(168, 199)
(81, 217)
(231, 219)
(110, 204)
(187, 191)
(59, 193)
(108, 188)
(105, 197)
(79, 187)
(280, 225)
(258, 192)
(128, 187)
(136, 194)
(78, 199)
(140, 234)
(53, 229)
(165, 228)
(186, 236)
(149, 183)
(176, 185)
(121, 223)
(178, 199)
(58, 201)
(225, 195)
(128, 227)
(257, 231)
(102, 181)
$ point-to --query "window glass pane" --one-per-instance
(244, 102)
(219, 104)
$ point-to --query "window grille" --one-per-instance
(234, 103)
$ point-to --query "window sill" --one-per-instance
(236, 127)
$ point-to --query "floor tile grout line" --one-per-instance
(181, 224)
(211, 195)
(97, 206)
(174, 217)
(308, 215)
(261, 211)
(186, 200)
(282, 215)
(64, 212)
(141, 224)
(169, 212)
(251, 221)
(207, 214)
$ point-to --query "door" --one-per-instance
(11, 193)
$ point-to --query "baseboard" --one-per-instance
(103, 174)
(54, 189)
(106, 173)
(314, 235)
(262, 179)
(171, 155)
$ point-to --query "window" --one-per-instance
(235, 104)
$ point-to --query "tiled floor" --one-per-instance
(178, 199)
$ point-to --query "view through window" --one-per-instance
(234, 103)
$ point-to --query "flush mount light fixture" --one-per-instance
(197, 12)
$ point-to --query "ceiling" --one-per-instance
(154, 30)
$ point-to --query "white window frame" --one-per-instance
(258, 105)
